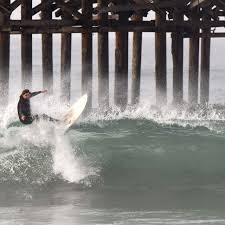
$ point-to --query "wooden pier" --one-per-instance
(192, 19)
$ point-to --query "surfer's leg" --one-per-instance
(46, 117)
(35, 117)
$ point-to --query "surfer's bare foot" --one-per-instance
(23, 117)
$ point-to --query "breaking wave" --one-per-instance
(142, 147)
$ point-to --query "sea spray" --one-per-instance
(65, 161)
(211, 117)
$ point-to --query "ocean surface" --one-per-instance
(145, 165)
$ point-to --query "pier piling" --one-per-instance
(26, 45)
(136, 64)
(4, 57)
(66, 66)
(194, 60)
(161, 62)
(121, 62)
(177, 54)
(87, 52)
(103, 59)
(205, 63)
(47, 58)
(66, 45)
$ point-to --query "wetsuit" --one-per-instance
(24, 109)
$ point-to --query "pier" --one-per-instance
(192, 19)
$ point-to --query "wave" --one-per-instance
(211, 117)
(142, 147)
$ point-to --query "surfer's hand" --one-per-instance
(45, 91)
(23, 118)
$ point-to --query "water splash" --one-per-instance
(211, 117)
(66, 162)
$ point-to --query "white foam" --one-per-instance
(71, 167)
(208, 117)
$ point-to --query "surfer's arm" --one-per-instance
(37, 93)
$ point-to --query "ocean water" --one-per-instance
(144, 165)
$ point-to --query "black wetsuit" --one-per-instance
(24, 109)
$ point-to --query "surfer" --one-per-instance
(24, 110)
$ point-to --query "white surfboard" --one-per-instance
(75, 111)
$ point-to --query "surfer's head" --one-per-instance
(25, 94)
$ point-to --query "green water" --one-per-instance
(132, 167)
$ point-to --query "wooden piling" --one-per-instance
(205, 63)
(87, 52)
(177, 53)
(194, 60)
(66, 44)
(66, 40)
(4, 58)
(47, 59)
(26, 46)
(103, 59)
(161, 62)
(136, 64)
(121, 63)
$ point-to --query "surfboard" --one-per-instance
(75, 111)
